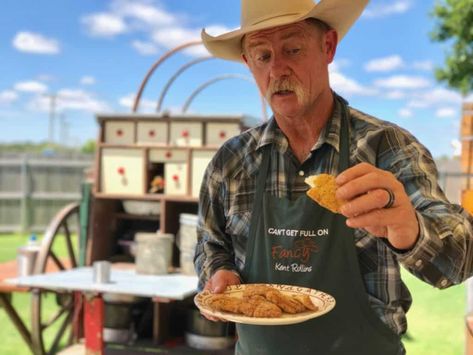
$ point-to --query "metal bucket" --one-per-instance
(153, 253)
(26, 259)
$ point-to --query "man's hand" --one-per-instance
(364, 187)
(218, 283)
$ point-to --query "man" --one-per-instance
(395, 212)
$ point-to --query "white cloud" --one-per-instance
(87, 80)
(104, 24)
(339, 64)
(403, 82)
(347, 86)
(395, 95)
(143, 13)
(172, 37)
(387, 8)
(145, 105)
(405, 113)
(145, 48)
(425, 65)
(8, 96)
(30, 42)
(76, 99)
(436, 97)
(165, 30)
(31, 86)
(384, 64)
(69, 99)
(446, 112)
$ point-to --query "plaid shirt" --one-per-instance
(441, 257)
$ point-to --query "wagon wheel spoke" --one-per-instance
(57, 315)
(60, 333)
(70, 249)
(56, 260)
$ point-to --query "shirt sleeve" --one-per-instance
(214, 250)
(443, 253)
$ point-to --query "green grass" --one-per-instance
(11, 342)
(436, 319)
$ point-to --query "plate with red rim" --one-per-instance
(324, 302)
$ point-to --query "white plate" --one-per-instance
(323, 301)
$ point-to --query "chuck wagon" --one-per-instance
(147, 176)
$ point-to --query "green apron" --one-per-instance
(325, 259)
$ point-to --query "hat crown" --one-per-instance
(253, 12)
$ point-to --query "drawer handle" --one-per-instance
(185, 133)
(168, 154)
(121, 171)
(151, 133)
(119, 132)
(223, 134)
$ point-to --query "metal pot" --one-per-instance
(198, 324)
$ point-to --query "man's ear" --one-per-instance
(331, 40)
(245, 60)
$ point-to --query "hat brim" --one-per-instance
(338, 14)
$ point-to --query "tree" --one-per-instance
(89, 147)
(455, 25)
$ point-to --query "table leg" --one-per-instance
(15, 318)
(93, 324)
(161, 314)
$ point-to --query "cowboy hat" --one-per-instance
(258, 15)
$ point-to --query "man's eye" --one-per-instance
(263, 57)
(294, 50)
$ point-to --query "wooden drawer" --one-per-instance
(200, 159)
(217, 133)
(168, 155)
(175, 178)
(186, 134)
(152, 133)
(122, 171)
(119, 132)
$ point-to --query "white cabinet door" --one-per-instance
(200, 160)
(218, 132)
(175, 178)
(122, 171)
(152, 133)
(186, 133)
(119, 132)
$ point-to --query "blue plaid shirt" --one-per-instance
(441, 257)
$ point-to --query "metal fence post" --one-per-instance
(25, 209)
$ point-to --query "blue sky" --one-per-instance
(94, 54)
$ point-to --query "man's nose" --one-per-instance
(279, 67)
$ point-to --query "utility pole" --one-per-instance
(52, 115)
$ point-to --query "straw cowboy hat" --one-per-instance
(258, 15)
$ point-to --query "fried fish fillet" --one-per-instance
(322, 190)
(222, 302)
(258, 306)
(306, 301)
(286, 303)
(251, 290)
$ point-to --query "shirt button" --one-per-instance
(418, 263)
(444, 282)
(301, 173)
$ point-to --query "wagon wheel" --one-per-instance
(54, 312)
